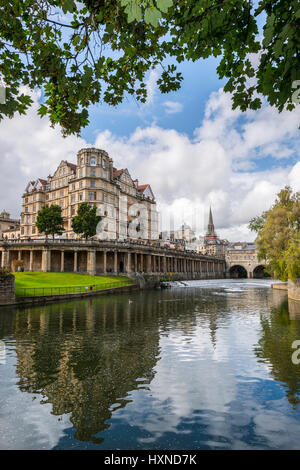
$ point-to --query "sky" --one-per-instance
(189, 145)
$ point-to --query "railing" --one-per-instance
(62, 290)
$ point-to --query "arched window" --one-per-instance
(93, 161)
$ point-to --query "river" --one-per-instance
(203, 365)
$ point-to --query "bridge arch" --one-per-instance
(237, 271)
(259, 272)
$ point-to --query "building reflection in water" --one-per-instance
(279, 330)
(85, 358)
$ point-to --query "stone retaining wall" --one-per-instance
(294, 289)
(7, 289)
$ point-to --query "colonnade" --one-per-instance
(108, 260)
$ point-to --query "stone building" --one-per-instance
(128, 209)
(8, 225)
(212, 244)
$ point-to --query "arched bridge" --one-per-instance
(242, 262)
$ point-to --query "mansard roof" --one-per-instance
(117, 173)
(71, 165)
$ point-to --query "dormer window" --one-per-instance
(93, 161)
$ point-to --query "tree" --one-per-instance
(49, 221)
(86, 221)
(103, 49)
(278, 235)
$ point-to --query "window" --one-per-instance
(34, 207)
(80, 184)
(73, 198)
(93, 183)
(73, 186)
(93, 161)
(53, 195)
(80, 197)
(93, 172)
(92, 195)
(61, 192)
(104, 197)
(62, 203)
(33, 230)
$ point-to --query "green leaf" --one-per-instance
(164, 5)
(152, 16)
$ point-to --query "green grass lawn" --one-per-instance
(28, 284)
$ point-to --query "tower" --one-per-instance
(210, 234)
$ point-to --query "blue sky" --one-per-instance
(200, 79)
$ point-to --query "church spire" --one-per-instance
(210, 227)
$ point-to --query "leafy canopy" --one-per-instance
(81, 53)
(86, 221)
(50, 221)
(278, 235)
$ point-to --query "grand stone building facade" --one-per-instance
(120, 200)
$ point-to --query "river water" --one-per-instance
(203, 365)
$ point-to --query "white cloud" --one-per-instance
(30, 149)
(173, 107)
(186, 174)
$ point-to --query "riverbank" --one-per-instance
(32, 288)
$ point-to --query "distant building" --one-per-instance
(9, 228)
(185, 235)
(211, 243)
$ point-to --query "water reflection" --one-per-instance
(279, 331)
(204, 366)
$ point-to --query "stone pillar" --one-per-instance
(142, 262)
(6, 259)
(46, 261)
(31, 260)
(75, 261)
(91, 262)
(116, 262)
(164, 260)
(148, 266)
(19, 255)
(62, 261)
(128, 263)
(135, 262)
(104, 262)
